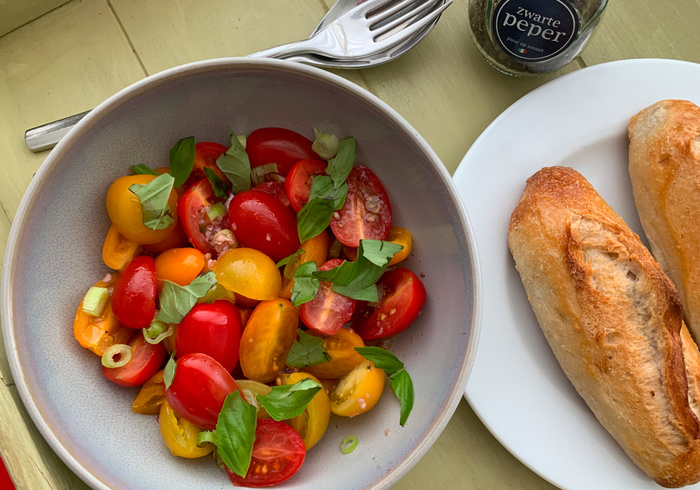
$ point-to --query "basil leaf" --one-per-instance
(176, 301)
(381, 358)
(182, 160)
(305, 285)
(289, 401)
(288, 259)
(235, 433)
(339, 167)
(154, 196)
(307, 351)
(143, 170)
(322, 187)
(235, 164)
(402, 386)
(220, 187)
(169, 371)
(370, 293)
(324, 200)
(379, 252)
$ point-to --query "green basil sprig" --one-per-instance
(305, 284)
(399, 379)
(176, 301)
(307, 351)
(154, 196)
(235, 165)
(339, 167)
(288, 401)
(143, 170)
(219, 186)
(182, 160)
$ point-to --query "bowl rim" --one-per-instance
(112, 103)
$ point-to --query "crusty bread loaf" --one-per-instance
(664, 165)
(612, 318)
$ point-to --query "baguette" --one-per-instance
(664, 166)
(612, 319)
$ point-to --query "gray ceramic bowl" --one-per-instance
(54, 256)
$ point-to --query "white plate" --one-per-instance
(516, 387)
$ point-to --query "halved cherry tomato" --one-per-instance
(341, 348)
(402, 296)
(267, 338)
(179, 434)
(299, 180)
(366, 212)
(313, 422)
(328, 311)
(179, 265)
(276, 189)
(214, 329)
(199, 388)
(250, 389)
(176, 239)
(278, 453)
(358, 391)
(146, 360)
(118, 250)
(315, 249)
(261, 221)
(150, 396)
(205, 155)
(400, 236)
(134, 295)
(278, 145)
(124, 209)
(192, 209)
(248, 272)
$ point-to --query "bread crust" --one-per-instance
(612, 319)
(664, 166)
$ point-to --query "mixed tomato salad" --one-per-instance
(251, 290)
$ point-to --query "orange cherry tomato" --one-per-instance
(180, 435)
(97, 333)
(341, 347)
(179, 265)
(118, 250)
(400, 236)
(248, 272)
(267, 338)
(315, 249)
(150, 396)
(124, 209)
(313, 422)
(358, 391)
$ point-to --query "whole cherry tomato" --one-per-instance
(192, 210)
(402, 296)
(199, 388)
(278, 453)
(179, 265)
(278, 145)
(328, 311)
(366, 212)
(299, 180)
(260, 221)
(134, 295)
(146, 360)
(214, 329)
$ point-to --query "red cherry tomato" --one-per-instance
(261, 221)
(278, 145)
(366, 212)
(192, 212)
(299, 179)
(276, 189)
(213, 329)
(278, 453)
(134, 295)
(402, 296)
(205, 156)
(146, 360)
(199, 388)
(328, 311)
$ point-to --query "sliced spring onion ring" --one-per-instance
(325, 145)
(158, 331)
(216, 210)
(260, 174)
(95, 300)
(116, 356)
(348, 444)
(206, 436)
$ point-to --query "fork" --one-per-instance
(369, 28)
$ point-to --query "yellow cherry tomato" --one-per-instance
(248, 272)
(313, 422)
(118, 250)
(267, 338)
(400, 236)
(124, 209)
(179, 265)
(358, 391)
(180, 435)
(315, 249)
(250, 390)
(341, 347)
(150, 396)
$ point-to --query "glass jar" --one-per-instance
(531, 37)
